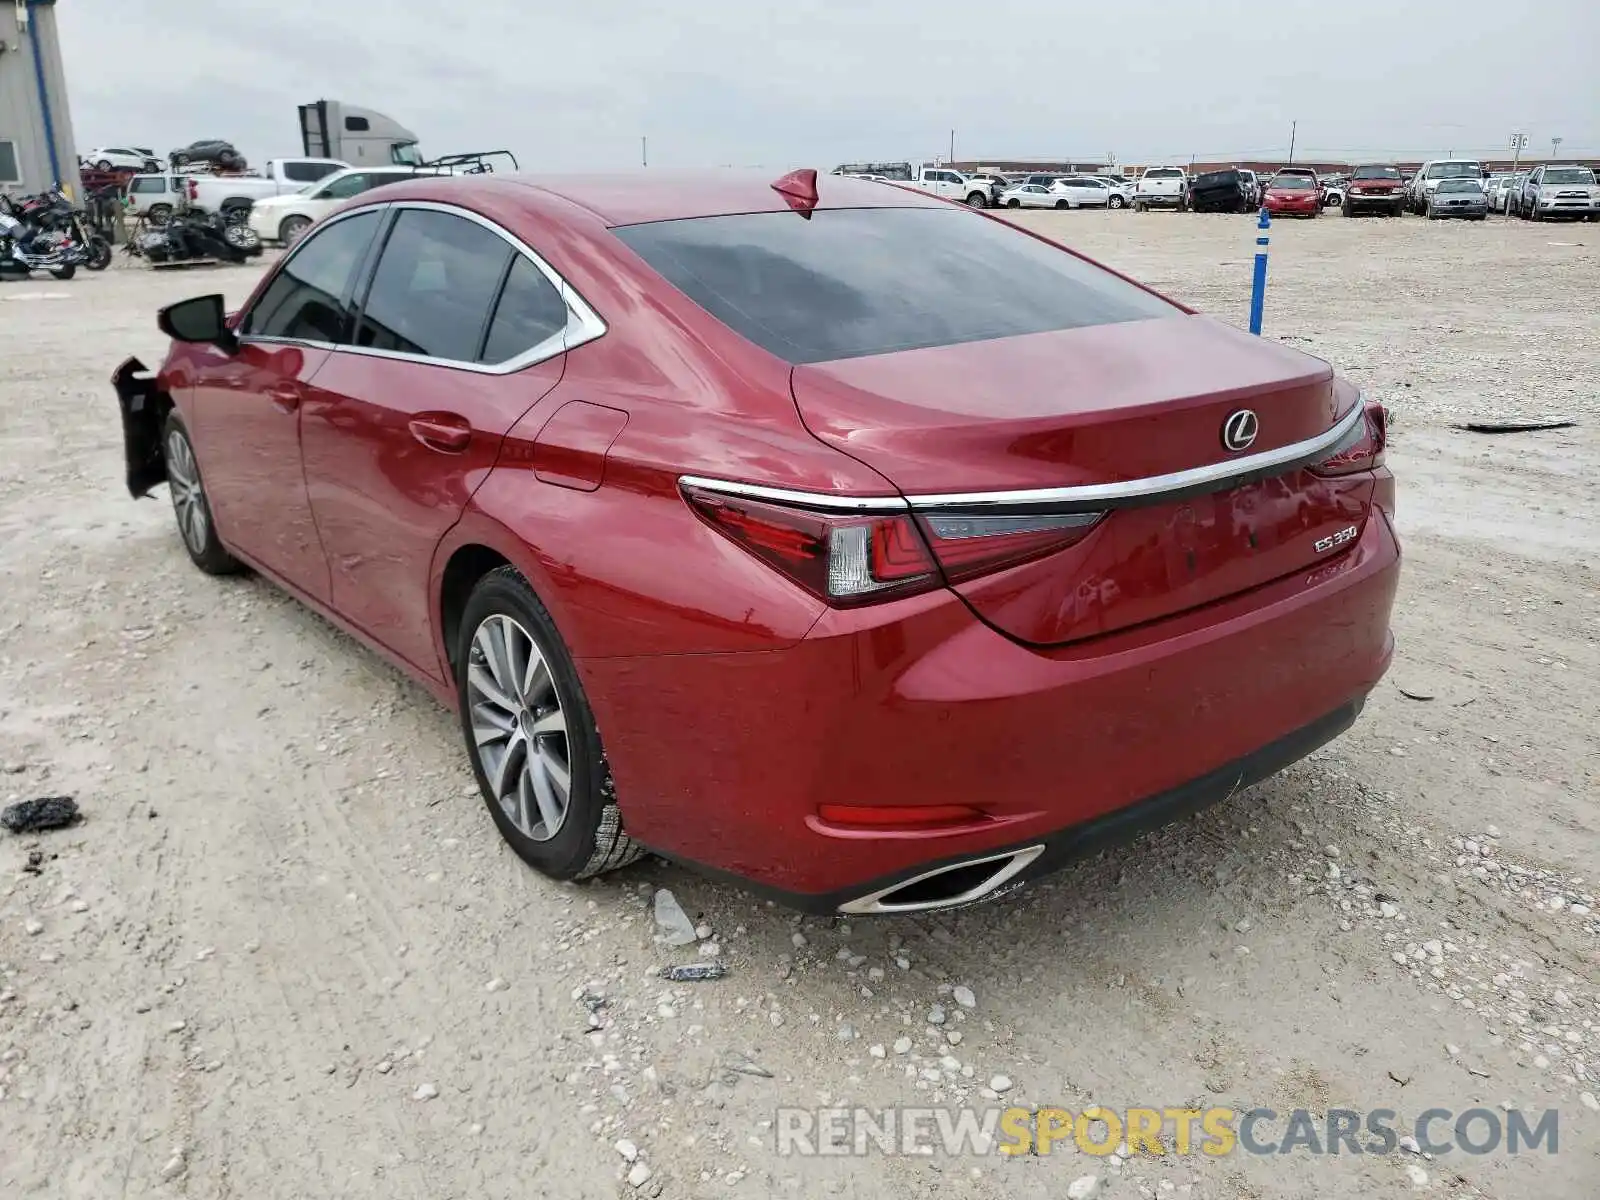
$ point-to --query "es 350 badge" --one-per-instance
(1344, 535)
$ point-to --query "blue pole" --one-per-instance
(44, 96)
(1258, 287)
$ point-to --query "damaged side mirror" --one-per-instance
(202, 319)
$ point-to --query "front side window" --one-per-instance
(434, 287)
(854, 282)
(346, 186)
(306, 300)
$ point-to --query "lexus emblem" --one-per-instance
(1239, 430)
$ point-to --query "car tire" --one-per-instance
(503, 626)
(293, 229)
(1060, 204)
(103, 165)
(190, 506)
(1115, 202)
(1013, 203)
(977, 200)
(158, 214)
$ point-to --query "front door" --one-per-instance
(247, 405)
(459, 335)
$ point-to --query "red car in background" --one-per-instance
(1375, 187)
(1293, 194)
(840, 539)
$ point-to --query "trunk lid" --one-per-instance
(1101, 405)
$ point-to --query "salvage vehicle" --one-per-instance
(1431, 174)
(1458, 198)
(1375, 187)
(854, 602)
(1087, 191)
(1563, 191)
(1500, 194)
(214, 151)
(953, 185)
(1293, 194)
(113, 158)
(1219, 191)
(1033, 195)
(1161, 187)
(278, 177)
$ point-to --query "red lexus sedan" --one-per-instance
(821, 534)
(1293, 196)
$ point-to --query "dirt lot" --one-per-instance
(287, 956)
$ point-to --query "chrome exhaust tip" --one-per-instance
(946, 887)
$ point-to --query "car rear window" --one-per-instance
(852, 282)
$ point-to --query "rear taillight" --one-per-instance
(1362, 449)
(843, 559)
(853, 558)
(969, 546)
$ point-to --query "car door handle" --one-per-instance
(446, 433)
(285, 395)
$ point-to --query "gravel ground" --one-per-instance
(286, 955)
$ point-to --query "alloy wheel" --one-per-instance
(519, 727)
(188, 498)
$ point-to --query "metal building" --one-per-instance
(36, 144)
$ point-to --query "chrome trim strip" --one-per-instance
(583, 324)
(872, 902)
(1213, 477)
(822, 500)
(1088, 497)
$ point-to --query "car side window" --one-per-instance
(306, 300)
(530, 311)
(434, 287)
(346, 186)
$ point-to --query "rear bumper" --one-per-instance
(722, 760)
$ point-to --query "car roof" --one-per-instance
(652, 194)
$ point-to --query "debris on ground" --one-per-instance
(1512, 426)
(674, 924)
(694, 972)
(1410, 695)
(36, 816)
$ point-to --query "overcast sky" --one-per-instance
(806, 83)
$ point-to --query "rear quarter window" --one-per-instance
(854, 282)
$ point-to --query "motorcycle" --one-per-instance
(32, 239)
(191, 235)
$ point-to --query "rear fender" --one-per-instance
(144, 410)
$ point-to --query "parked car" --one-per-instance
(1375, 187)
(127, 158)
(1219, 191)
(1161, 187)
(1331, 190)
(278, 177)
(1293, 194)
(215, 151)
(284, 218)
(774, 613)
(1458, 198)
(1085, 191)
(1252, 187)
(157, 197)
(1431, 174)
(1033, 195)
(1559, 192)
(953, 185)
(1500, 195)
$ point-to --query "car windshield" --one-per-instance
(1292, 183)
(1455, 170)
(1460, 185)
(406, 153)
(1570, 175)
(1376, 173)
(851, 282)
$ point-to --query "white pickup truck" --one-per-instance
(277, 177)
(953, 185)
(1161, 187)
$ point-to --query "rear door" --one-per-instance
(459, 334)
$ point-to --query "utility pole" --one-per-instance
(952, 157)
(1555, 146)
(1294, 127)
(644, 152)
